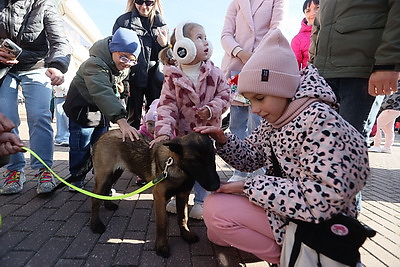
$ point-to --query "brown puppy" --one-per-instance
(193, 159)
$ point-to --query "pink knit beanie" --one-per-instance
(151, 114)
(272, 69)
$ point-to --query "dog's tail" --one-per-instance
(80, 175)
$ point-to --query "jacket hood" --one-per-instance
(312, 85)
(313, 88)
(101, 50)
(305, 27)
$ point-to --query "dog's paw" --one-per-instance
(110, 205)
(97, 227)
(163, 251)
(190, 237)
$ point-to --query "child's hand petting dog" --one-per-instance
(159, 139)
(127, 130)
(215, 133)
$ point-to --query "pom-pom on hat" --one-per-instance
(272, 69)
(151, 114)
(125, 40)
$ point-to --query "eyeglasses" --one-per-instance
(148, 3)
(127, 61)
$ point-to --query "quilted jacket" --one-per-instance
(43, 38)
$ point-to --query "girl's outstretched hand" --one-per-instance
(232, 188)
(215, 133)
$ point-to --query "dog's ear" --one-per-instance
(175, 146)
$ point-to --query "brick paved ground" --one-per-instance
(53, 230)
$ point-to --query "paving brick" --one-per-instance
(35, 220)
(102, 255)
(82, 245)
(16, 258)
(38, 238)
(9, 240)
(74, 225)
(139, 220)
(130, 249)
(49, 254)
(69, 263)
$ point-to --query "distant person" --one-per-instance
(301, 41)
(60, 93)
(37, 27)
(355, 47)
(9, 142)
(246, 23)
(194, 93)
(145, 80)
(316, 161)
(93, 97)
(390, 111)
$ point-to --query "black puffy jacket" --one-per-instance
(43, 37)
(148, 57)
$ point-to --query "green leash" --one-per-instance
(90, 194)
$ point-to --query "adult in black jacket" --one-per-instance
(145, 18)
(38, 29)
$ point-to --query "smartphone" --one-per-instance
(10, 47)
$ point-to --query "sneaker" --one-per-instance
(376, 149)
(236, 178)
(13, 183)
(197, 211)
(171, 206)
(77, 184)
(45, 181)
(387, 150)
(63, 144)
(140, 181)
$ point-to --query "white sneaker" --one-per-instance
(387, 150)
(171, 206)
(236, 178)
(376, 149)
(197, 211)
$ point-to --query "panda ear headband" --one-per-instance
(184, 49)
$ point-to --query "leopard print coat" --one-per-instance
(323, 161)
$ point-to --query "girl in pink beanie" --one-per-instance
(316, 162)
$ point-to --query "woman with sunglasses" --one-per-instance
(93, 97)
(145, 18)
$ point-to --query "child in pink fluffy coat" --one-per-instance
(301, 42)
(194, 93)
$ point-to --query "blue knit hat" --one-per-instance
(125, 40)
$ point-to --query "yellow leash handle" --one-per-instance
(90, 194)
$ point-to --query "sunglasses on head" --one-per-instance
(148, 3)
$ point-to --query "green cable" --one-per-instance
(90, 194)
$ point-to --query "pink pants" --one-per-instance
(385, 122)
(232, 220)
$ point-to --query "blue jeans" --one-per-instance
(355, 102)
(81, 140)
(62, 135)
(37, 91)
(242, 123)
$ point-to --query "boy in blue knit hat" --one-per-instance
(93, 97)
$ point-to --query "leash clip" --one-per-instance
(168, 163)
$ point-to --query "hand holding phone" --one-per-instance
(9, 52)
